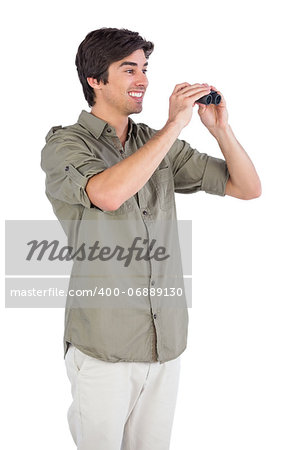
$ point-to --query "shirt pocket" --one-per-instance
(164, 186)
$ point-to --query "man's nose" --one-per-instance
(141, 79)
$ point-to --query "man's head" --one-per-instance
(111, 64)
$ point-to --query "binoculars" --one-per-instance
(213, 98)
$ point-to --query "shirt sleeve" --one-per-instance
(194, 171)
(68, 166)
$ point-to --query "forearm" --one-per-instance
(243, 176)
(109, 189)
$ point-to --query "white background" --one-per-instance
(240, 375)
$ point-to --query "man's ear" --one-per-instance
(94, 83)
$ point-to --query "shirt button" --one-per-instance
(121, 151)
(108, 130)
(66, 168)
(145, 212)
(154, 316)
(152, 283)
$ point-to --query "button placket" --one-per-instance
(115, 141)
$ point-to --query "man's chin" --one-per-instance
(136, 110)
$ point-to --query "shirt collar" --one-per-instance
(97, 126)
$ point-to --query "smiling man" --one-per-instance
(112, 180)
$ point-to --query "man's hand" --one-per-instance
(182, 101)
(243, 181)
(214, 117)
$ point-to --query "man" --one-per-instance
(111, 180)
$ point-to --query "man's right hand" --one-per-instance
(182, 101)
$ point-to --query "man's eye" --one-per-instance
(131, 70)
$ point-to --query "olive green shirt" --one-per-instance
(139, 310)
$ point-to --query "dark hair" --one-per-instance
(100, 49)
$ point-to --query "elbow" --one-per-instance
(111, 205)
(254, 192)
(258, 190)
(257, 193)
(104, 200)
(245, 192)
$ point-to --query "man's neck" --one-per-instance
(119, 122)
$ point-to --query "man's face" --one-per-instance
(127, 84)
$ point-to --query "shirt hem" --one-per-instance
(82, 349)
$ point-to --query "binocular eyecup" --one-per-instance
(212, 98)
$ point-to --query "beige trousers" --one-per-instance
(123, 405)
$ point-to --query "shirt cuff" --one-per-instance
(80, 181)
(215, 176)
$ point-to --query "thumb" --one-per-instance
(201, 108)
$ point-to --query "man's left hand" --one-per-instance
(214, 117)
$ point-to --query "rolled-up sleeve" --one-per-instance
(194, 171)
(68, 166)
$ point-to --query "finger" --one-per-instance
(197, 93)
(193, 87)
(180, 86)
(215, 89)
(201, 108)
(223, 102)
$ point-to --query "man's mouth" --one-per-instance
(136, 95)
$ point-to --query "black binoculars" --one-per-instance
(213, 98)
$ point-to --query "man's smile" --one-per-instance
(137, 95)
